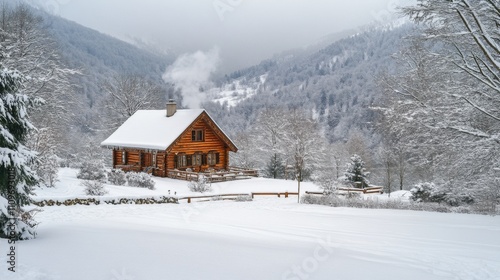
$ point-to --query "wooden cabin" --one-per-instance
(156, 141)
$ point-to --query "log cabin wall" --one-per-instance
(161, 169)
(117, 158)
(211, 142)
(133, 158)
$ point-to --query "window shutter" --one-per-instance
(217, 158)
(203, 159)
(193, 135)
(176, 164)
(189, 162)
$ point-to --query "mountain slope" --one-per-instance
(337, 83)
(100, 56)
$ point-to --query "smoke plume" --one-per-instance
(190, 73)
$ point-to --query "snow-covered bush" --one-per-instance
(140, 180)
(353, 195)
(242, 198)
(46, 168)
(117, 177)
(327, 182)
(428, 192)
(94, 188)
(92, 170)
(457, 199)
(200, 185)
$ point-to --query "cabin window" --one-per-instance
(197, 159)
(213, 158)
(197, 135)
(124, 157)
(181, 160)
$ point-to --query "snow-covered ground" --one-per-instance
(268, 238)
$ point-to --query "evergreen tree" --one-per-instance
(275, 168)
(16, 177)
(356, 171)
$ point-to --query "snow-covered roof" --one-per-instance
(151, 129)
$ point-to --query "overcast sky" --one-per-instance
(244, 31)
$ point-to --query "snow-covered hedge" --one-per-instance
(200, 185)
(106, 200)
(339, 201)
(140, 180)
(243, 198)
(94, 188)
(117, 177)
(336, 201)
(92, 170)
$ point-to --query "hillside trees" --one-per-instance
(16, 176)
(31, 51)
(446, 92)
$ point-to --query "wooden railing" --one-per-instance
(244, 171)
(235, 195)
(128, 168)
(213, 176)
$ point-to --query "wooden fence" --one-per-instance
(344, 190)
(236, 195)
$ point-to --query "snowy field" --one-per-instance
(268, 238)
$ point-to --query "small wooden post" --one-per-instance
(286, 194)
(189, 200)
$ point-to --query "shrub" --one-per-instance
(244, 197)
(94, 188)
(117, 177)
(200, 185)
(140, 180)
(426, 192)
(353, 195)
(458, 199)
(92, 170)
(46, 168)
(327, 182)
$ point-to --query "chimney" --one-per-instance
(171, 108)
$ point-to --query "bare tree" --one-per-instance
(469, 33)
(245, 157)
(303, 144)
(447, 91)
(357, 143)
(387, 160)
(268, 130)
(126, 94)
